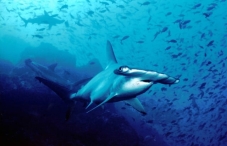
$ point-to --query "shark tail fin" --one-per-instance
(60, 90)
(110, 53)
(65, 91)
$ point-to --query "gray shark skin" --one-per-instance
(43, 19)
(119, 83)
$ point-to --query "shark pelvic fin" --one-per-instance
(107, 99)
(110, 53)
(136, 104)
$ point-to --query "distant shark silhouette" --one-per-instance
(43, 19)
(115, 83)
(46, 72)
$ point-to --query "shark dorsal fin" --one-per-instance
(52, 66)
(136, 104)
(45, 13)
(110, 53)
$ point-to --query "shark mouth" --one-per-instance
(146, 81)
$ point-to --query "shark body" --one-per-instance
(119, 83)
(43, 19)
(115, 83)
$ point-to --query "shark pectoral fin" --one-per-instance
(89, 104)
(136, 104)
(106, 100)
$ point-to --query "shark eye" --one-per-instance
(123, 69)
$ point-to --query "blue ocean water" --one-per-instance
(64, 41)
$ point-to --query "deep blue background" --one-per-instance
(185, 39)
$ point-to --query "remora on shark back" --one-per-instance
(119, 83)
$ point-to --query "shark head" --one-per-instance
(145, 75)
(120, 83)
(140, 74)
(131, 82)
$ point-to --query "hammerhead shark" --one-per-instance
(43, 19)
(115, 83)
(46, 72)
(119, 83)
